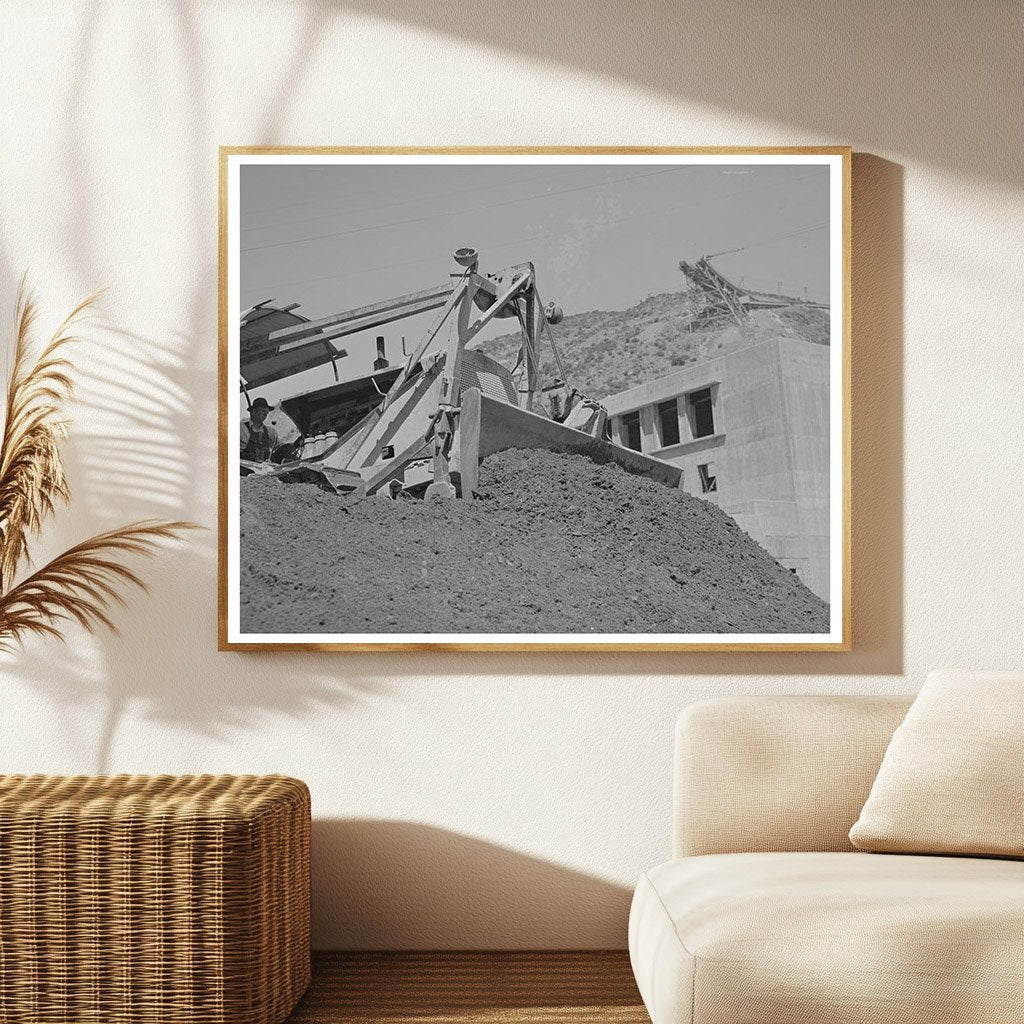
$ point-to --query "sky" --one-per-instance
(332, 237)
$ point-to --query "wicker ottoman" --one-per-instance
(131, 899)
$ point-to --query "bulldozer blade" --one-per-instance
(504, 426)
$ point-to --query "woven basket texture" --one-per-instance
(140, 899)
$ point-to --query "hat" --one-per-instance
(259, 403)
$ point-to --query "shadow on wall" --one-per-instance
(148, 444)
(402, 885)
(141, 453)
(888, 76)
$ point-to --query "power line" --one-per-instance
(371, 270)
(479, 209)
(376, 206)
(775, 283)
(771, 241)
(534, 238)
(715, 199)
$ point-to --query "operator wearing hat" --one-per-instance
(258, 438)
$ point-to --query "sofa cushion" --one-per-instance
(950, 781)
(781, 772)
(833, 938)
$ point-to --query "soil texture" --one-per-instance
(555, 543)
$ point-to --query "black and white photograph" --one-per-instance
(562, 398)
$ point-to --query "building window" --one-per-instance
(708, 478)
(702, 415)
(668, 420)
(631, 430)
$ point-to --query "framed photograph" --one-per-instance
(590, 399)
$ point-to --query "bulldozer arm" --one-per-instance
(451, 407)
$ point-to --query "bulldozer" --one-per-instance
(449, 405)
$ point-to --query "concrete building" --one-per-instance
(750, 430)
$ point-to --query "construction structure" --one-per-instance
(750, 431)
(717, 301)
(749, 428)
(424, 427)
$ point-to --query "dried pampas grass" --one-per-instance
(83, 583)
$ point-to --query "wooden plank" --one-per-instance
(368, 317)
(255, 350)
(365, 324)
(553, 986)
(413, 298)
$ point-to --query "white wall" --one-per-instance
(503, 800)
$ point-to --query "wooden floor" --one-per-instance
(462, 988)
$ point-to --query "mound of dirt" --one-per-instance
(554, 544)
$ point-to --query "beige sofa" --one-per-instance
(769, 916)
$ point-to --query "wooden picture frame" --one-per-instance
(805, 428)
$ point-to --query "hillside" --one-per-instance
(606, 352)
